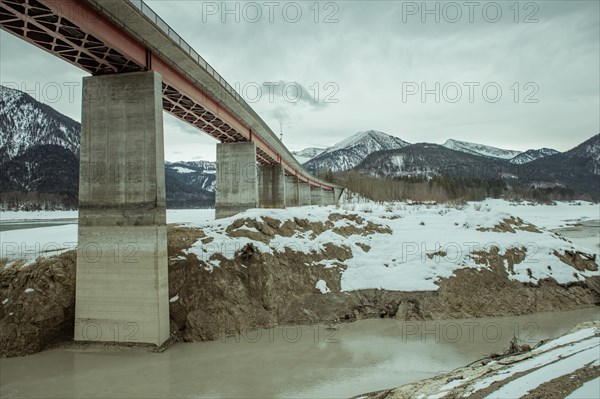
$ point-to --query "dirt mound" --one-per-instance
(38, 304)
(489, 292)
(578, 260)
(252, 290)
(255, 288)
(266, 228)
(510, 225)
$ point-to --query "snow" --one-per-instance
(181, 169)
(27, 122)
(190, 216)
(21, 216)
(429, 242)
(406, 260)
(480, 149)
(444, 390)
(438, 395)
(568, 339)
(353, 140)
(173, 215)
(532, 155)
(380, 140)
(552, 360)
(401, 263)
(397, 160)
(302, 159)
(322, 286)
(520, 386)
(29, 244)
(353, 150)
(589, 390)
(307, 154)
(549, 216)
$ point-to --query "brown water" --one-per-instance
(291, 362)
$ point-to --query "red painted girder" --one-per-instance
(91, 21)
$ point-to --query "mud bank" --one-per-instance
(216, 293)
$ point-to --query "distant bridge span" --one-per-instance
(119, 36)
(139, 68)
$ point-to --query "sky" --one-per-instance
(515, 75)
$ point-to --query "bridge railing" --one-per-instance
(178, 40)
(162, 25)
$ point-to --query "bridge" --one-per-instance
(139, 67)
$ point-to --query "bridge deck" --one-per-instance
(116, 36)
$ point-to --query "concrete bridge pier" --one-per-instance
(292, 191)
(237, 180)
(122, 280)
(316, 195)
(329, 197)
(271, 186)
(304, 196)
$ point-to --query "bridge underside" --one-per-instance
(122, 287)
(44, 26)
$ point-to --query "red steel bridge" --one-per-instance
(118, 36)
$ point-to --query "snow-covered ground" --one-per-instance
(518, 375)
(173, 215)
(195, 216)
(22, 216)
(29, 244)
(563, 356)
(427, 242)
(43, 240)
(406, 260)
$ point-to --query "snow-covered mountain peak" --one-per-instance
(383, 139)
(532, 155)
(307, 154)
(480, 149)
(351, 151)
(25, 122)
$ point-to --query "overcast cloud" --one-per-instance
(321, 82)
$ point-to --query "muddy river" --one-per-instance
(284, 362)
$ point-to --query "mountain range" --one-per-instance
(39, 159)
(381, 155)
(350, 152)
(532, 155)
(577, 168)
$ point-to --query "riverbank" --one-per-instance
(565, 367)
(308, 265)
